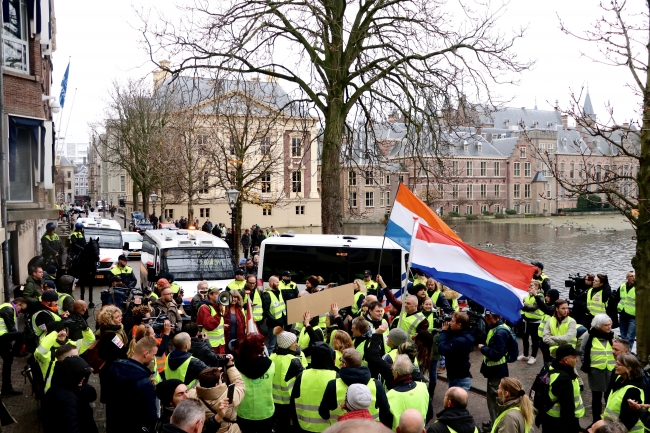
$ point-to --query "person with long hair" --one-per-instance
(532, 316)
(112, 341)
(340, 342)
(255, 412)
(516, 413)
(234, 320)
(627, 384)
(598, 296)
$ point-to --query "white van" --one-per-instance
(337, 258)
(191, 255)
(110, 243)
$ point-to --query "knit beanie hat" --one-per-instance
(397, 336)
(358, 397)
(165, 390)
(285, 339)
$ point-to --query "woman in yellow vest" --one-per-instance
(532, 316)
(340, 342)
(598, 296)
(514, 408)
(288, 363)
(598, 361)
(255, 412)
(428, 312)
(628, 384)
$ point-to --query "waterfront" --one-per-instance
(566, 245)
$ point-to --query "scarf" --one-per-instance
(593, 333)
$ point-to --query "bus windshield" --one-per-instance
(108, 238)
(198, 263)
(339, 265)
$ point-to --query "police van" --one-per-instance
(337, 258)
(191, 255)
(109, 233)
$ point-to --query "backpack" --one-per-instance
(91, 355)
(512, 345)
(539, 392)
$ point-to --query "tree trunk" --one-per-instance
(331, 199)
(136, 199)
(190, 211)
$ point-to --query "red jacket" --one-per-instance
(241, 324)
(205, 319)
(356, 414)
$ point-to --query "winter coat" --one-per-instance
(356, 414)
(196, 366)
(374, 357)
(241, 324)
(456, 347)
(7, 315)
(130, 399)
(212, 396)
(627, 416)
(562, 389)
(171, 311)
(494, 351)
(201, 349)
(456, 418)
(246, 241)
(513, 421)
(33, 290)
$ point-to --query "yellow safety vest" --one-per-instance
(533, 315)
(627, 304)
(370, 285)
(62, 297)
(341, 391)
(216, 336)
(312, 388)
(487, 342)
(601, 357)
(284, 286)
(596, 305)
(281, 388)
(322, 323)
(410, 323)
(257, 403)
(278, 308)
(116, 270)
(355, 308)
(174, 287)
(258, 311)
(561, 330)
(614, 402)
(542, 325)
(498, 420)
(77, 235)
(554, 411)
(454, 305)
(393, 354)
(3, 325)
(180, 372)
(303, 339)
(236, 285)
(417, 398)
(430, 319)
(38, 331)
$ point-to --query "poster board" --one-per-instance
(319, 303)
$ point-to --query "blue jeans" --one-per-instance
(442, 362)
(627, 326)
(270, 346)
(465, 383)
(433, 377)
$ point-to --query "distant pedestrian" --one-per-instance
(246, 243)
(494, 366)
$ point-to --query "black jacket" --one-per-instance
(562, 389)
(315, 335)
(456, 347)
(271, 322)
(494, 351)
(350, 375)
(130, 398)
(458, 419)
(442, 302)
(374, 357)
(7, 314)
(202, 350)
(547, 309)
(644, 415)
(627, 416)
(546, 284)
(176, 358)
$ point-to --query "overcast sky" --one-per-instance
(103, 42)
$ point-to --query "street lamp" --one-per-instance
(123, 197)
(153, 197)
(232, 195)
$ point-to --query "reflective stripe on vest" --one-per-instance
(554, 411)
(257, 403)
(216, 336)
(116, 270)
(542, 325)
(341, 391)
(411, 323)
(312, 388)
(595, 304)
(38, 331)
(416, 398)
(277, 308)
(601, 357)
(3, 325)
(487, 342)
(180, 372)
(258, 310)
(533, 315)
(355, 307)
(281, 388)
(614, 402)
(627, 303)
(561, 330)
(498, 420)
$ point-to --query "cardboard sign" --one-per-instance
(319, 303)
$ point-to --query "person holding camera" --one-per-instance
(456, 343)
(197, 300)
(200, 348)
(166, 304)
(210, 316)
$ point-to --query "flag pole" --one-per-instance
(381, 252)
(408, 270)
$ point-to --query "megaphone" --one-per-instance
(225, 298)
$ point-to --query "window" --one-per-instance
(562, 167)
(296, 147)
(401, 178)
(69, 174)
(353, 199)
(484, 190)
(549, 147)
(548, 191)
(387, 198)
(454, 191)
(497, 190)
(441, 190)
(497, 208)
(527, 190)
(352, 178)
(201, 139)
(527, 208)
(266, 211)
(381, 199)
(296, 181)
(580, 170)
(454, 168)
(169, 213)
(265, 145)
(562, 192)
(497, 168)
(517, 169)
(204, 212)
(69, 184)
(495, 136)
(470, 191)
(469, 168)
(571, 168)
(542, 148)
(233, 143)
(205, 183)
(300, 210)
(454, 208)
(468, 210)
(370, 199)
(16, 49)
(484, 208)
(388, 179)
(483, 168)
(598, 174)
(369, 177)
(522, 152)
(526, 169)
(122, 183)
(266, 182)
(517, 208)
(517, 190)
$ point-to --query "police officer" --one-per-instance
(372, 287)
(541, 277)
(239, 282)
(52, 248)
(124, 271)
(288, 288)
(11, 341)
(77, 240)
(627, 308)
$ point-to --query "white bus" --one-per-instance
(191, 255)
(109, 233)
(337, 258)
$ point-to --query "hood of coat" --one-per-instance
(350, 375)
(253, 369)
(129, 370)
(70, 372)
(322, 356)
(458, 419)
(213, 393)
(176, 358)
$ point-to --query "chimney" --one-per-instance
(565, 121)
(626, 125)
(159, 75)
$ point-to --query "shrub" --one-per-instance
(487, 213)
(453, 214)
(511, 212)
(529, 215)
(471, 217)
(499, 216)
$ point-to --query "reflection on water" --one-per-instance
(563, 251)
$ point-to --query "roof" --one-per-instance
(65, 161)
(184, 239)
(513, 117)
(539, 177)
(331, 241)
(100, 223)
(458, 143)
(587, 108)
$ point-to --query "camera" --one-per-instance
(442, 318)
(158, 323)
(576, 282)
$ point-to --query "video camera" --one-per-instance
(158, 323)
(576, 282)
(440, 319)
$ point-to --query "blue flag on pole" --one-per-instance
(64, 86)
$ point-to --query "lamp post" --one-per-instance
(123, 197)
(232, 195)
(153, 197)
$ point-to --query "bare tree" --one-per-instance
(350, 61)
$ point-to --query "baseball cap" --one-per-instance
(49, 283)
(214, 289)
(240, 272)
(122, 257)
(538, 264)
(242, 262)
(286, 274)
(566, 350)
(367, 273)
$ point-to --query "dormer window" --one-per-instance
(465, 146)
(479, 146)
